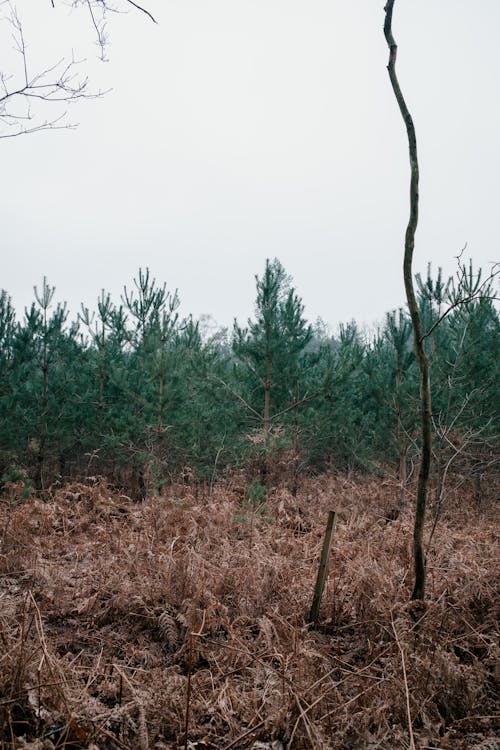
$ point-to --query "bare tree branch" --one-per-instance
(143, 10)
(99, 30)
(240, 398)
(62, 82)
(462, 294)
(304, 400)
(58, 83)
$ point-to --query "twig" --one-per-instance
(245, 734)
(407, 692)
(192, 635)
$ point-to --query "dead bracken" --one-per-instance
(158, 625)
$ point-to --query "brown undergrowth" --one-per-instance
(124, 625)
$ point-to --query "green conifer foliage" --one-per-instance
(143, 397)
(153, 320)
(270, 355)
(398, 333)
(44, 387)
(466, 392)
(204, 425)
(7, 335)
(342, 419)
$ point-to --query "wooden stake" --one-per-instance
(322, 570)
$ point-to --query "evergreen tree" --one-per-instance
(153, 315)
(42, 386)
(270, 353)
(142, 398)
(7, 336)
(340, 413)
(398, 332)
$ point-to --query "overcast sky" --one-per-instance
(243, 129)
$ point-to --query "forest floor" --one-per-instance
(126, 625)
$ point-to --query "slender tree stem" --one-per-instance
(423, 362)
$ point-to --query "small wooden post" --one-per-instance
(323, 569)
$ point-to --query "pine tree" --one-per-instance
(152, 311)
(7, 335)
(398, 331)
(269, 354)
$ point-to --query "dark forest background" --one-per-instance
(139, 395)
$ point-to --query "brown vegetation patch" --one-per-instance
(123, 623)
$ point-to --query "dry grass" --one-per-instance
(121, 625)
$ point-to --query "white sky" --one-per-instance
(243, 129)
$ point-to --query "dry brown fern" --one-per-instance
(169, 629)
(119, 587)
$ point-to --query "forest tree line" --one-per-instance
(139, 395)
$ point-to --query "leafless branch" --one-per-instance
(143, 10)
(459, 297)
(405, 680)
(304, 400)
(57, 83)
(60, 82)
(104, 6)
(100, 28)
(239, 398)
(45, 125)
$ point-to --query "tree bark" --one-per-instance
(266, 422)
(402, 446)
(44, 409)
(101, 348)
(423, 362)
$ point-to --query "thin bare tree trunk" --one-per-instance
(402, 447)
(102, 347)
(44, 409)
(160, 402)
(423, 362)
(266, 419)
(266, 422)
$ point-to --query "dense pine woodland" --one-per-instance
(133, 392)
